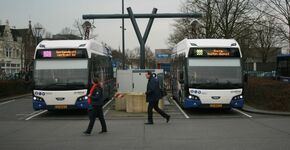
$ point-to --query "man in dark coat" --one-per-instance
(153, 94)
(95, 108)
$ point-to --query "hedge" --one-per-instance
(267, 94)
(14, 87)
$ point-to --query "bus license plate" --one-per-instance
(216, 105)
(60, 107)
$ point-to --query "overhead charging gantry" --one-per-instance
(142, 39)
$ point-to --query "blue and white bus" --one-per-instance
(63, 73)
(207, 73)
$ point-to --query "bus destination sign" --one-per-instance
(66, 53)
(214, 52)
(61, 53)
(218, 52)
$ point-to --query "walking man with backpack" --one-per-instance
(153, 94)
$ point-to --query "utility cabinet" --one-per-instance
(131, 85)
(134, 80)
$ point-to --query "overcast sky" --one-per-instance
(54, 15)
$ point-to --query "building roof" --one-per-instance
(164, 51)
(19, 33)
(15, 32)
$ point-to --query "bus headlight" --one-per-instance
(37, 99)
(193, 97)
(83, 98)
(238, 97)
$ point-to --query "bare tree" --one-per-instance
(78, 26)
(48, 35)
(279, 9)
(266, 38)
(149, 56)
(222, 19)
(233, 17)
(67, 30)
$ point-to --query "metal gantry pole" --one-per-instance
(142, 40)
(148, 28)
(139, 36)
(123, 37)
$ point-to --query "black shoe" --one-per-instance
(86, 133)
(167, 119)
(103, 131)
(148, 123)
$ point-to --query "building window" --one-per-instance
(17, 53)
(8, 52)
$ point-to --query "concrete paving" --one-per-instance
(205, 131)
(134, 135)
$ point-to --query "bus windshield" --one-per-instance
(61, 74)
(214, 73)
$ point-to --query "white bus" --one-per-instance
(63, 73)
(207, 73)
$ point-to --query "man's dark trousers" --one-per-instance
(154, 104)
(97, 111)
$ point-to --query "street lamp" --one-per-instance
(195, 24)
(37, 34)
(123, 37)
(87, 26)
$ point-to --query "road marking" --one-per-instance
(185, 115)
(242, 112)
(41, 112)
(107, 103)
(6, 102)
(106, 106)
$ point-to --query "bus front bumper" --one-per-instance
(38, 104)
(191, 103)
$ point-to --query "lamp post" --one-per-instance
(37, 34)
(123, 37)
(195, 24)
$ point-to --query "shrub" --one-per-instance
(268, 94)
(14, 87)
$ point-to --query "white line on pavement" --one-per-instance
(242, 112)
(185, 115)
(107, 103)
(41, 112)
(6, 102)
(106, 106)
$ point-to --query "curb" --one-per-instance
(14, 97)
(250, 109)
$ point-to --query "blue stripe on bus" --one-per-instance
(237, 103)
(37, 105)
(190, 103)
